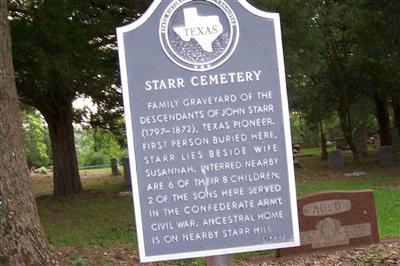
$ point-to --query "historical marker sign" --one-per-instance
(208, 130)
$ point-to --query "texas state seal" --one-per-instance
(199, 35)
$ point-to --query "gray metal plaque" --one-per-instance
(208, 130)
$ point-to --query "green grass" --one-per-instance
(97, 217)
(103, 221)
(103, 170)
(315, 150)
(105, 183)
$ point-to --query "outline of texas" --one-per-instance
(195, 25)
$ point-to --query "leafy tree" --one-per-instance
(324, 56)
(97, 146)
(22, 239)
(378, 32)
(317, 50)
(64, 49)
(36, 139)
(334, 22)
(302, 133)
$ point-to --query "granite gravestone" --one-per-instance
(114, 167)
(127, 172)
(335, 159)
(360, 136)
(208, 130)
(386, 155)
(335, 220)
(395, 136)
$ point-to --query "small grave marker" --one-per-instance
(127, 172)
(335, 159)
(114, 167)
(335, 220)
(395, 136)
(360, 136)
(386, 155)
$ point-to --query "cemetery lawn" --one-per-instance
(96, 217)
(97, 227)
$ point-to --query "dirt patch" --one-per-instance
(83, 174)
(99, 256)
(385, 253)
(43, 183)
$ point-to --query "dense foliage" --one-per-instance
(62, 50)
(36, 140)
(97, 147)
(342, 60)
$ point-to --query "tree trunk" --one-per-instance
(65, 164)
(347, 129)
(360, 136)
(324, 150)
(382, 115)
(396, 112)
(22, 240)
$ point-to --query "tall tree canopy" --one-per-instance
(64, 49)
(342, 57)
(21, 236)
(378, 56)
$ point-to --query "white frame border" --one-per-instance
(132, 160)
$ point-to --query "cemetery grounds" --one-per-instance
(97, 227)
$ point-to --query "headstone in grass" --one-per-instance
(386, 155)
(335, 159)
(341, 144)
(395, 135)
(360, 136)
(127, 172)
(114, 167)
(335, 220)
